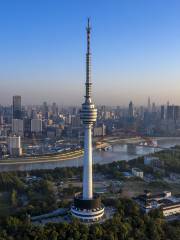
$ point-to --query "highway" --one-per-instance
(44, 158)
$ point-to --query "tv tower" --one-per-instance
(87, 205)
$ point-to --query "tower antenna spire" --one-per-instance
(88, 29)
(88, 63)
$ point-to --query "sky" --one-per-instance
(135, 51)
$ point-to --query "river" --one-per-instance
(119, 152)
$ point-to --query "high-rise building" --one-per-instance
(36, 125)
(45, 110)
(87, 206)
(1, 124)
(99, 131)
(153, 107)
(149, 104)
(75, 121)
(18, 127)
(131, 110)
(176, 113)
(17, 111)
(54, 109)
(68, 119)
(14, 146)
(173, 112)
(170, 112)
(27, 127)
(162, 112)
(1, 120)
(34, 114)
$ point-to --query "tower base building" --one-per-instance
(90, 210)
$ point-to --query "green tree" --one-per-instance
(14, 200)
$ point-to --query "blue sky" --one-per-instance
(135, 50)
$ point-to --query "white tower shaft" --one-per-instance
(87, 165)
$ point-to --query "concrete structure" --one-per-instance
(153, 161)
(18, 127)
(99, 131)
(163, 113)
(131, 110)
(14, 146)
(45, 110)
(68, 119)
(1, 120)
(17, 114)
(171, 209)
(169, 204)
(148, 160)
(36, 125)
(27, 127)
(149, 104)
(137, 172)
(75, 121)
(87, 206)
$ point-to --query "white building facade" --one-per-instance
(14, 146)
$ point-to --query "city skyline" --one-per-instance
(89, 119)
(135, 51)
(147, 105)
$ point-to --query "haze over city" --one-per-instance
(89, 120)
(135, 50)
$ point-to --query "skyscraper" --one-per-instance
(36, 125)
(17, 114)
(14, 146)
(87, 206)
(54, 109)
(153, 107)
(176, 113)
(18, 127)
(162, 112)
(27, 127)
(149, 104)
(131, 110)
(170, 112)
(17, 122)
(45, 110)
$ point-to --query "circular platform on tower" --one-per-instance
(89, 210)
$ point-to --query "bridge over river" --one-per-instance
(119, 151)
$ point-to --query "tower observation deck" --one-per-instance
(87, 206)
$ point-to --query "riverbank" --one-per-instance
(118, 152)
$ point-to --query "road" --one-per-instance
(44, 158)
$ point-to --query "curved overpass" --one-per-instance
(44, 158)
